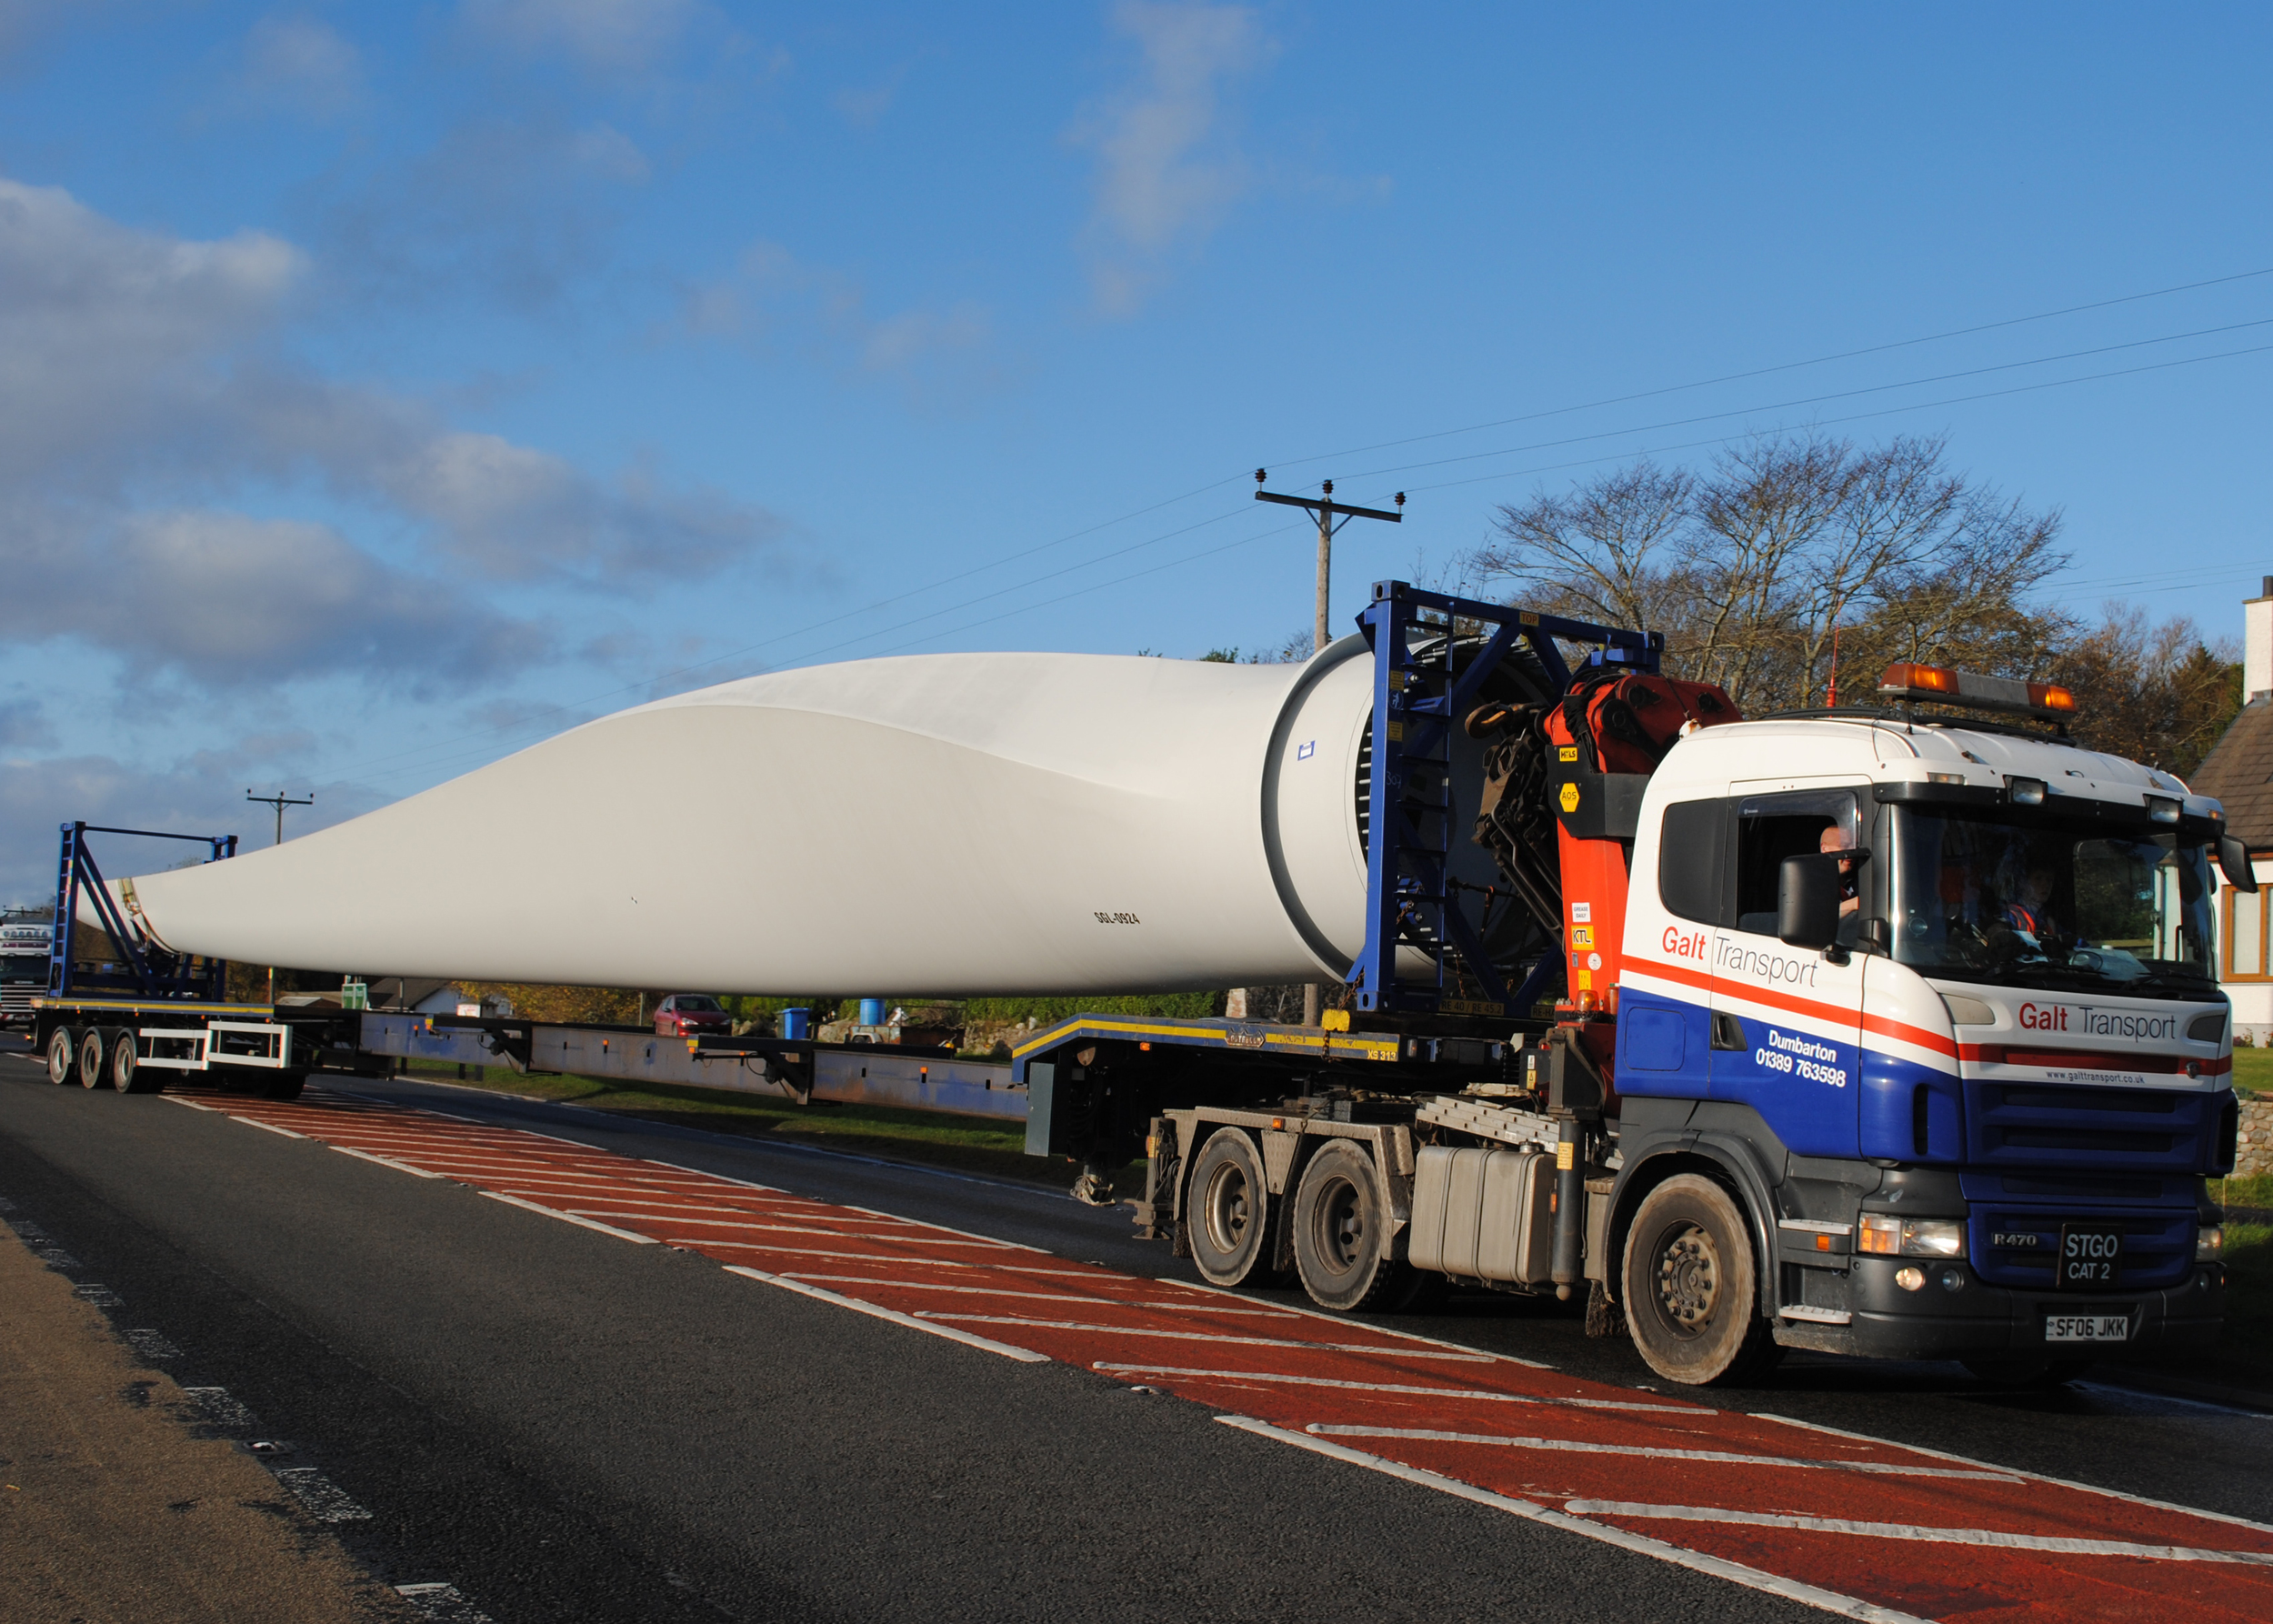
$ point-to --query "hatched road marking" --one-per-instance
(1759, 1500)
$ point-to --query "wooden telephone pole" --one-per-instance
(280, 801)
(1331, 516)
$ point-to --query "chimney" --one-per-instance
(2257, 644)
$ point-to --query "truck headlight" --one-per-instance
(2210, 1243)
(1911, 1237)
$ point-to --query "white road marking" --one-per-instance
(56, 1257)
(193, 1105)
(320, 1495)
(152, 1345)
(789, 1251)
(1046, 1297)
(1830, 1602)
(1381, 1329)
(2140, 1397)
(2112, 1494)
(268, 1126)
(400, 1167)
(721, 1223)
(1216, 1337)
(102, 1296)
(1425, 1392)
(1910, 1532)
(723, 1178)
(1651, 1452)
(220, 1409)
(948, 1229)
(442, 1604)
(568, 1218)
(1025, 1355)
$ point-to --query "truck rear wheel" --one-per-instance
(1341, 1234)
(1230, 1208)
(125, 1064)
(1692, 1289)
(286, 1085)
(63, 1054)
(91, 1057)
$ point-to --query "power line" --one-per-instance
(1733, 377)
(565, 707)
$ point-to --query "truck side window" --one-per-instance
(1771, 827)
(1692, 853)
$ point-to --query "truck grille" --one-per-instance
(2158, 1246)
(2035, 1125)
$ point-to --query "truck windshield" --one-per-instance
(22, 966)
(2023, 900)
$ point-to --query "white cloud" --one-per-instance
(772, 293)
(202, 793)
(611, 36)
(225, 600)
(517, 213)
(139, 371)
(1166, 171)
(300, 66)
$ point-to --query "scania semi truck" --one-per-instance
(1889, 1030)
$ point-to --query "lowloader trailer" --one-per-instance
(147, 1015)
(1889, 1030)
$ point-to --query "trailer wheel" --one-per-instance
(91, 1057)
(1692, 1291)
(286, 1085)
(1341, 1235)
(125, 1064)
(94, 1056)
(63, 1049)
(1230, 1208)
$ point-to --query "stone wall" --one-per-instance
(2254, 1154)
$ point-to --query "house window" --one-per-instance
(2245, 935)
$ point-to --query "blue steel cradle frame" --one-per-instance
(1409, 900)
(149, 975)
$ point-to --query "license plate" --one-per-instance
(2086, 1328)
(2091, 1255)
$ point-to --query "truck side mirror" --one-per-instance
(2233, 861)
(1807, 899)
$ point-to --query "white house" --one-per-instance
(2239, 773)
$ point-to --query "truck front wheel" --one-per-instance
(1342, 1235)
(1230, 1204)
(1692, 1291)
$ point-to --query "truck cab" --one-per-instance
(1974, 1118)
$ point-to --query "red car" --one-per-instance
(691, 1015)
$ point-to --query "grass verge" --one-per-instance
(932, 1139)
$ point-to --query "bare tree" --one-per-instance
(2157, 694)
(1788, 550)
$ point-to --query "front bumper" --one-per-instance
(1983, 1321)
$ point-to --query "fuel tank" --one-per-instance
(947, 823)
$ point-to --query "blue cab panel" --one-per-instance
(1663, 1047)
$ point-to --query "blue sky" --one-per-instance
(383, 388)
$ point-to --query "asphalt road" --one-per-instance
(563, 1427)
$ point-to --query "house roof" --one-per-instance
(2239, 774)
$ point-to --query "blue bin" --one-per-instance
(872, 1012)
(797, 1023)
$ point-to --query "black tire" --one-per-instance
(125, 1071)
(92, 1057)
(2024, 1373)
(1229, 1211)
(286, 1085)
(1342, 1233)
(63, 1055)
(1692, 1287)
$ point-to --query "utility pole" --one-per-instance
(1324, 509)
(1331, 516)
(280, 801)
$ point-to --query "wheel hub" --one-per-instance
(1227, 1209)
(1688, 1278)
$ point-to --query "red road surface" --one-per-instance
(1859, 1526)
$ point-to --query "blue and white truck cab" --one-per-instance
(1970, 1104)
